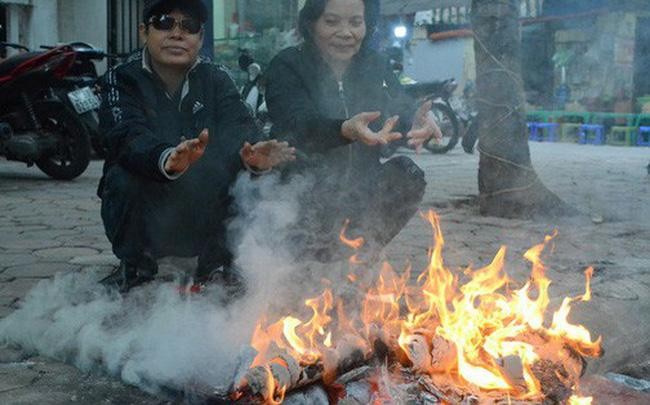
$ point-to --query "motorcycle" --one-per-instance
(36, 127)
(80, 88)
(440, 94)
(253, 91)
(468, 114)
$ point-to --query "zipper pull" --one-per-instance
(343, 100)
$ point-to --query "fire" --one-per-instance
(462, 325)
(355, 244)
(576, 400)
(271, 398)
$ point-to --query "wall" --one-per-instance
(32, 26)
(83, 20)
(428, 61)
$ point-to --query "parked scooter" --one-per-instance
(80, 89)
(253, 90)
(36, 127)
(468, 117)
(440, 94)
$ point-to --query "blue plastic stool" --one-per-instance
(586, 132)
(532, 131)
(643, 139)
(537, 133)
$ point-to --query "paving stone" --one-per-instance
(66, 252)
(26, 243)
(96, 260)
(5, 310)
(15, 289)
(14, 376)
(11, 355)
(38, 270)
(13, 259)
(29, 395)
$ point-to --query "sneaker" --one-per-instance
(127, 276)
(227, 277)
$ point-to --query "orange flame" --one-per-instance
(270, 397)
(576, 400)
(482, 320)
(355, 244)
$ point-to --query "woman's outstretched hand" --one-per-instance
(356, 129)
(187, 153)
(424, 127)
(266, 155)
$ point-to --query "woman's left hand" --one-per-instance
(266, 155)
(424, 127)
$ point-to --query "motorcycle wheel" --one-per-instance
(448, 123)
(101, 151)
(72, 154)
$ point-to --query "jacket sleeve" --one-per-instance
(126, 129)
(295, 114)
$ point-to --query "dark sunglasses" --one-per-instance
(168, 23)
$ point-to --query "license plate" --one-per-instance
(84, 100)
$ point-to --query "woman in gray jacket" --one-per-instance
(337, 101)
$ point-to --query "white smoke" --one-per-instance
(155, 337)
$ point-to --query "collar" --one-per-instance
(185, 89)
(146, 62)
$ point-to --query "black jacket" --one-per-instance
(139, 120)
(307, 105)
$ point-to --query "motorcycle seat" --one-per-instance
(7, 66)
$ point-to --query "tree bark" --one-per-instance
(508, 184)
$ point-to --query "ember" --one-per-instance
(482, 339)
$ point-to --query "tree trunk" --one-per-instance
(508, 184)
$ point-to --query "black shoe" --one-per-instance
(127, 276)
(227, 277)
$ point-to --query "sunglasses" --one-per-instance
(168, 23)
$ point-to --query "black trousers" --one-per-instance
(145, 219)
(377, 203)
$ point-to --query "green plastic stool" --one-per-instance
(569, 132)
(622, 136)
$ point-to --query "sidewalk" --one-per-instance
(48, 227)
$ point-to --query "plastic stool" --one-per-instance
(586, 132)
(542, 131)
(621, 136)
(569, 132)
(643, 139)
(532, 131)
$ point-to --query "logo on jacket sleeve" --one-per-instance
(197, 107)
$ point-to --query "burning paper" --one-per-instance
(457, 334)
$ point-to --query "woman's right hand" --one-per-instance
(356, 129)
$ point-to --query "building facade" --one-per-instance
(112, 24)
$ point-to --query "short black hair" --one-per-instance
(313, 9)
(193, 8)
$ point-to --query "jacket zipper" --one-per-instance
(343, 100)
(347, 117)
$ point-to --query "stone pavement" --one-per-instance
(48, 227)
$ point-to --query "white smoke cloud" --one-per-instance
(155, 337)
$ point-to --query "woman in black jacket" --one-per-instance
(328, 98)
